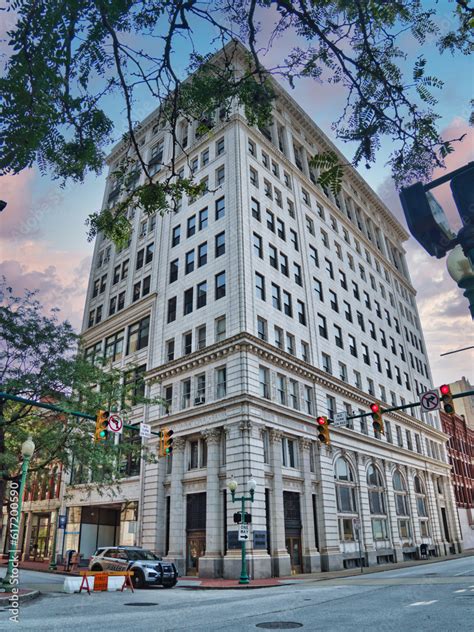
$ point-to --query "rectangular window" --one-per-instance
(189, 262)
(220, 328)
(293, 394)
(221, 382)
(220, 147)
(220, 244)
(170, 350)
(294, 239)
(138, 334)
(191, 226)
(257, 245)
(281, 388)
(202, 254)
(188, 301)
(176, 236)
(278, 337)
(201, 294)
(171, 310)
(290, 344)
(253, 177)
(270, 220)
(260, 286)
(287, 304)
(276, 296)
(297, 273)
(140, 259)
(185, 393)
(150, 249)
(203, 219)
(264, 382)
(322, 326)
(255, 204)
(301, 312)
(308, 399)
(220, 175)
(173, 276)
(261, 328)
(220, 208)
(219, 287)
(187, 343)
(284, 264)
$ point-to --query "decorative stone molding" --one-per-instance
(275, 435)
(246, 426)
(178, 444)
(305, 443)
(212, 435)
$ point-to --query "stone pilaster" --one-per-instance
(397, 544)
(154, 507)
(210, 565)
(326, 512)
(280, 557)
(177, 550)
(364, 511)
(311, 558)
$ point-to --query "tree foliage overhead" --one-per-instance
(69, 58)
(39, 361)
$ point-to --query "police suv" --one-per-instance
(148, 569)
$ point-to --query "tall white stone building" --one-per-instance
(255, 308)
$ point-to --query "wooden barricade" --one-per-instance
(103, 579)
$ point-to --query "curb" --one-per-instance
(29, 596)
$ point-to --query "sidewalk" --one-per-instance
(200, 583)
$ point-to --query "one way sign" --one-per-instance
(429, 401)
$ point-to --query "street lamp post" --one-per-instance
(251, 485)
(27, 449)
(52, 563)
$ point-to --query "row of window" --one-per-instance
(131, 339)
(193, 391)
(194, 342)
(201, 297)
(197, 257)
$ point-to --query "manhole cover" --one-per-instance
(279, 625)
(141, 603)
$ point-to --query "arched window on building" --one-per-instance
(401, 506)
(377, 503)
(421, 506)
(346, 499)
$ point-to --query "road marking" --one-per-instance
(462, 590)
(422, 603)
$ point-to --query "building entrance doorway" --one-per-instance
(196, 548)
(195, 531)
(293, 546)
(40, 536)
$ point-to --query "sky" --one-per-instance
(43, 237)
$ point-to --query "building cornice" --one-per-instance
(245, 342)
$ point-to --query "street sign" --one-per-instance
(430, 401)
(145, 431)
(340, 419)
(243, 532)
(115, 423)
(62, 521)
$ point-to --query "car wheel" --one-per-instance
(138, 579)
(96, 567)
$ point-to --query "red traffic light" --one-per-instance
(444, 389)
(374, 408)
(321, 421)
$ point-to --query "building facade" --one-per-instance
(464, 405)
(263, 303)
(461, 457)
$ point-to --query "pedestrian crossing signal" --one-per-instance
(101, 426)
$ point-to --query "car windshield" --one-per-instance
(141, 554)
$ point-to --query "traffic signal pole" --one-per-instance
(389, 410)
(58, 409)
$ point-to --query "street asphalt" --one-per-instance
(429, 597)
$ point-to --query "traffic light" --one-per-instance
(447, 399)
(323, 430)
(101, 426)
(167, 441)
(377, 421)
(247, 518)
(237, 517)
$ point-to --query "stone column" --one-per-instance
(452, 514)
(311, 558)
(410, 473)
(281, 563)
(326, 510)
(177, 551)
(153, 513)
(364, 512)
(210, 565)
(437, 536)
(397, 544)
